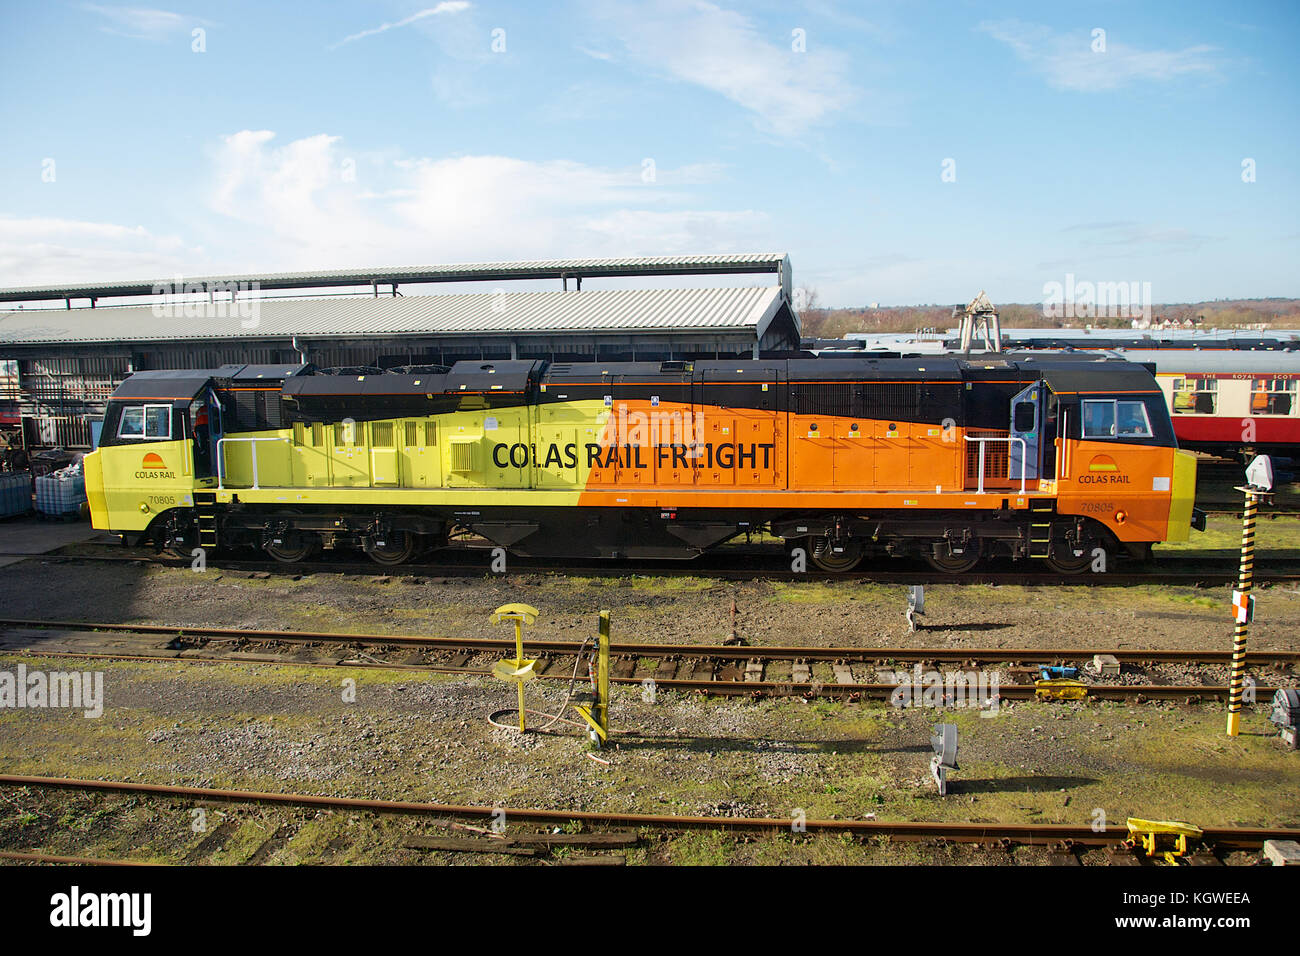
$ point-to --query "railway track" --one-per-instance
(1065, 837)
(1229, 512)
(1192, 572)
(730, 669)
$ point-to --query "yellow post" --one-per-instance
(597, 715)
(1242, 602)
(602, 674)
(519, 656)
(516, 669)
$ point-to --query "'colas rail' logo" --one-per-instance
(152, 466)
(1102, 470)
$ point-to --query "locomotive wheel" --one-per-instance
(308, 548)
(398, 548)
(819, 549)
(955, 563)
(1070, 563)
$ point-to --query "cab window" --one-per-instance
(146, 422)
(1113, 418)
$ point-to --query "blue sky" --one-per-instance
(330, 135)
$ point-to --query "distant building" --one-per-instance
(63, 350)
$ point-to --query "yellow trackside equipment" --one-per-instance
(517, 669)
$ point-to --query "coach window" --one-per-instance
(147, 422)
(1205, 396)
(1272, 396)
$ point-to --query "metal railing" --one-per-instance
(221, 458)
(1024, 452)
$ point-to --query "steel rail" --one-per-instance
(728, 687)
(34, 857)
(716, 651)
(722, 687)
(1021, 833)
(1030, 577)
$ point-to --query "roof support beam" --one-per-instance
(741, 264)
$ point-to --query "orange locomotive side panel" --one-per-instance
(1124, 487)
(674, 446)
(738, 457)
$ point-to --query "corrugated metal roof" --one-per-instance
(1214, 361)
(739, 263)
(596, 310)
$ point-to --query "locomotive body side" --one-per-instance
(932, 457)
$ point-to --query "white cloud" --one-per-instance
(312, 203)
(1067, 60)
(633, 231)
(721, 50)
(38, 251)
(447, 6)
(142, 23)
(1128, 238)
(291, 207)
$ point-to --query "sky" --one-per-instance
(899, 152)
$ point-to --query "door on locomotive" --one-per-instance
(1026, 432)
(206, 429)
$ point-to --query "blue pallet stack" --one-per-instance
(15, 493)
(61, 492)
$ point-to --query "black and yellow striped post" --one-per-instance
(602, 675)
(1241, 605)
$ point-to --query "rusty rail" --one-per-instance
(1027, 834)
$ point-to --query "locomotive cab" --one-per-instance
(1118, 465)
(165, 439)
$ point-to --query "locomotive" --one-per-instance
(1047, 458)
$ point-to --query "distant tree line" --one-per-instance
(1220, 313)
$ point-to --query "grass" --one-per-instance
(833, 759)
(703, 848)
(830, 592)
(1224, 534)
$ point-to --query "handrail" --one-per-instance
(1024, 454)
(221, 458)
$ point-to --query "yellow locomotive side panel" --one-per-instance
(350, 461)
(562, 431)
(311, 457)
(91, 467)
(134, 483)
(420, 453)
(274, 451)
